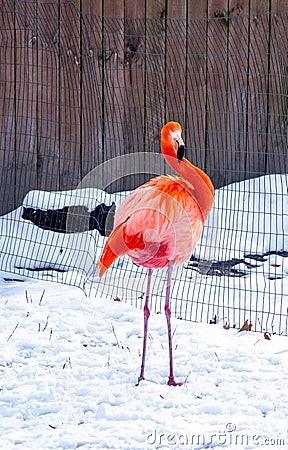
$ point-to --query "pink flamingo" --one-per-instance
(160, 223)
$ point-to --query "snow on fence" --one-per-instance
(83, 99)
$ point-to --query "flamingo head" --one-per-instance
(172, 132)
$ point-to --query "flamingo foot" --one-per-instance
(171, 382)
(139, 379)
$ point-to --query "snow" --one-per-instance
(69, 362)
(247, 217)
(69, 365)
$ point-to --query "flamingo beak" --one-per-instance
(180, 153)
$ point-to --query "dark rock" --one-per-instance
(73, 219)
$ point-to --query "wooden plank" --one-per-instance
(175, 63)
(26, 75)
(257, 82)
(48, 78)
(238, 38)
(114, 81)
(277, 141)
(70, 114)
(92, 87)
(217, 70)
(134, 76)
(196, 81)
(91, 7)
(155, 96)
(7, 108)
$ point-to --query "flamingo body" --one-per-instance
(160, 223)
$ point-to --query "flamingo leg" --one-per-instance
(146, 317)
(171, 380)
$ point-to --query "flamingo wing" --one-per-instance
(115, 246)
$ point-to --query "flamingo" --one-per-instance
(160, 223)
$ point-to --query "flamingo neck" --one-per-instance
(202, 188)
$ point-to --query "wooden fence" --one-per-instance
(87, 81)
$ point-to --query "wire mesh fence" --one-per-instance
(83, 100)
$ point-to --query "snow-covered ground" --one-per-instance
(69, 362)
(69, 365)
